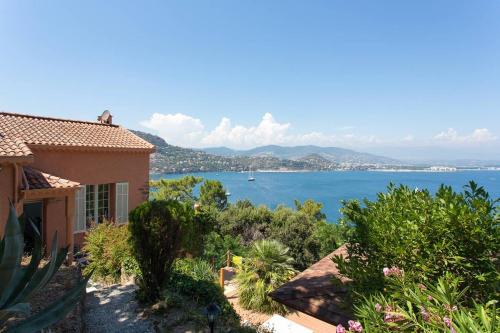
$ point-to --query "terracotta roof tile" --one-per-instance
(34, 130)
(314, 292)
(38, 180)
(13, 148)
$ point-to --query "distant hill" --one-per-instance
(173, 159)
(332, 154)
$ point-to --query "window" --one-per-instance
(102, 202)
(90, 211)
(121, 202)
(96, 204)
(80, 210)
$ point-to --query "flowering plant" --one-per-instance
(423, 235)
(411, 307)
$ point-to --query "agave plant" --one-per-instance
(18, 283)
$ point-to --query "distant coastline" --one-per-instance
(458, 170)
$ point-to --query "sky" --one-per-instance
(407, 79)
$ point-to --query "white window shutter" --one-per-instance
(80, 218)
(121, 203)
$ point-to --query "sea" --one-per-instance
(331, 188)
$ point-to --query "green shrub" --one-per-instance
(109, 250)
(157, 230)
(303, 230)
(426, 236)
(267, 267)
(294, 230)
(411, 307)
(198, 269)
(245, 220)
(195, 279)
(216, 247)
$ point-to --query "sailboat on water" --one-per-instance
(251, 178)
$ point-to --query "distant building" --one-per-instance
(66, 174)
(317, 297)
(442, 169)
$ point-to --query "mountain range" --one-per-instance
(332, 154)
(172, 159)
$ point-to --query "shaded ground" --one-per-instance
(114, 309)
(65, 278)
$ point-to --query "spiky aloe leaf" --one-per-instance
(54, 312)
(10, 262)
(27, 273)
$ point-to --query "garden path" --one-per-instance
(114, 308)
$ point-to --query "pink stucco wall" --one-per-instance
(87, 168)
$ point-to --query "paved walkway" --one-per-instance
(114, 309)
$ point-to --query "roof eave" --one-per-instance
(149, 150)
(17, 159)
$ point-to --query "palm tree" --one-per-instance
(267, 267)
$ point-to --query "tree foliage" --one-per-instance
(212, 193)
(303, 231)
(426, 236)
(175, 189)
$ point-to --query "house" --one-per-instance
(317, 297)
(65, 174)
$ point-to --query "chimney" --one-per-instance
(105, 118)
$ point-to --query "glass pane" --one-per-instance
(103, 202)
(90, 204)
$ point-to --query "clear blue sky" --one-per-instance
(395, 77)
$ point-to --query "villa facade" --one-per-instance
(67, 174)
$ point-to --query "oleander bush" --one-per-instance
(426, 236)
(267, 266)
(109, 252)
(409, 307)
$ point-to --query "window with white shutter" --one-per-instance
(80, 213)
(121, 202)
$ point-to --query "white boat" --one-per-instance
(251, 178)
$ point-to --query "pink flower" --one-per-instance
(340, 329)
(378, 307)
(452, 330)
(424, 313)
(447, 321)
(391, 316)
(422, 287)
(355, 326)
(393, 271)
(429, 298)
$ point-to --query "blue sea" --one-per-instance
(330, 188)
